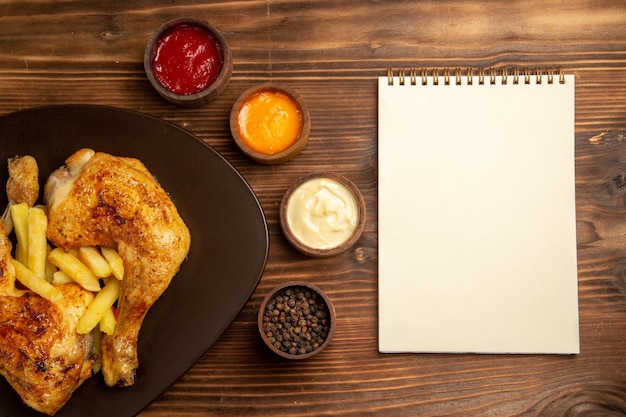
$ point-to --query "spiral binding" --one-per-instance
(490, 76)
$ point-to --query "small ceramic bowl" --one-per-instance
(284, 141)
(188, 62)
(296, 320)
(322, 214)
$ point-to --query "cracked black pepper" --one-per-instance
(296, 320)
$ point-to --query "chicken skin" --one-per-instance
(102, 200)
(41, 355)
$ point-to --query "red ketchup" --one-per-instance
(187, 59)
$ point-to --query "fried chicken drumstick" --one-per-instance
(102, 200)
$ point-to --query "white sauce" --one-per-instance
(322, 213)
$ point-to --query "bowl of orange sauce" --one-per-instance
(270, 123)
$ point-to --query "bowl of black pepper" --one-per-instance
(296, 320)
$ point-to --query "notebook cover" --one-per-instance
(477, 218)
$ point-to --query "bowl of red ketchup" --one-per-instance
(188, 62)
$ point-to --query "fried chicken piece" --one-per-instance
(23, 183)
(103, 200)
(41, 355)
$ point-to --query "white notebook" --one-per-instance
(477, 213)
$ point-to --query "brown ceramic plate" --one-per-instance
(228, 251)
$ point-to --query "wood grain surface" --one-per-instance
(331, 51)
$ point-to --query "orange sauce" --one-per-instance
(269, 122)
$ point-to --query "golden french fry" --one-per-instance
(50, 270)
(114, 260)
(108, 321)
(50, 267)
(74, 268)
(60, 277)
(35, 283)
(37, 242)
(98, 307)
(19, 215)
(91, 257)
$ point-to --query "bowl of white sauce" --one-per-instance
(322, 214)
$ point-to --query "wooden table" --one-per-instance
(331, 52)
